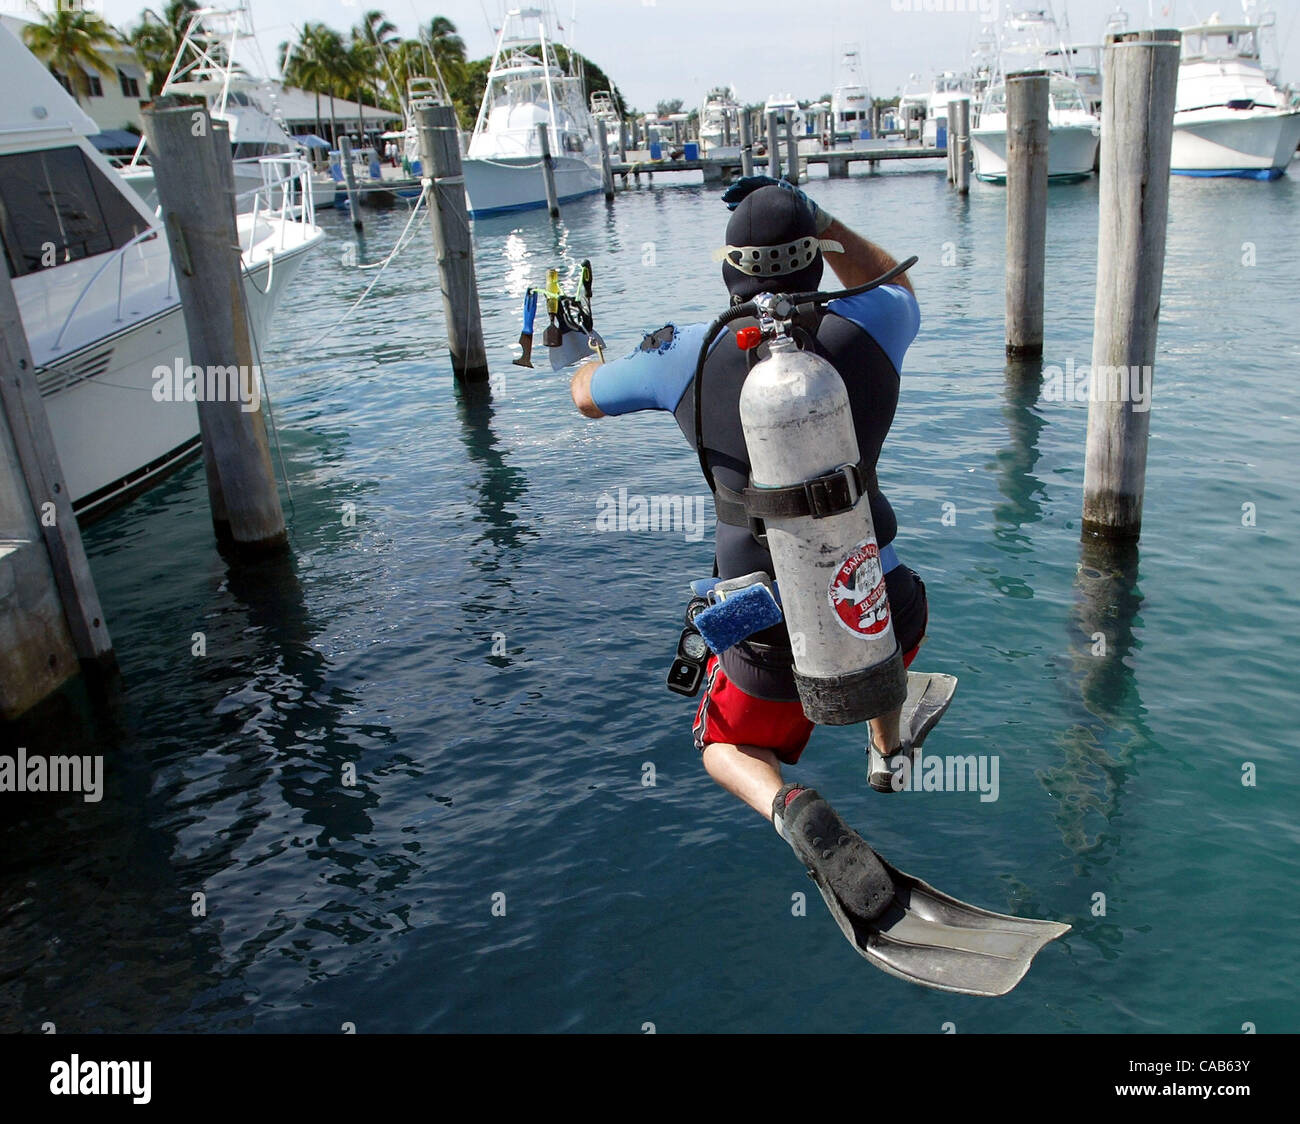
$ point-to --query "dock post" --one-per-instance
(50, 616)
(949, 144)
(622, 140)
(773, 151)
(350, 181)
(548, 170)
(1027, 105)
(449, 221)
(959, 140)
(726, 128)
(606, 173)
(1141, 76)
(746, 145)
(194, 187)
(791, 151)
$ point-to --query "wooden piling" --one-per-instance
(773, 150)
(50, 616)
(746, 145)
(548, 170)
(606, 173)
(204, 241)
(1027, 140)
(791, 150)
(959, 141)
(622, 140)
(449, 220)
(350, 181)
(1141, 76)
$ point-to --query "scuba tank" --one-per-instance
(807, 502)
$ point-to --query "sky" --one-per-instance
(660, 49)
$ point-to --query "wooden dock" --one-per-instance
(719, 171)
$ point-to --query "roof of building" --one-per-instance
(299, 107)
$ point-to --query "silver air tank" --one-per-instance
(798, 426)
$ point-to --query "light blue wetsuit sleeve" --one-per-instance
(889, 314)
(653, 376)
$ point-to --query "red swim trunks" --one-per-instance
(726, 714)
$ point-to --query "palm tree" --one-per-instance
(302, 65)
(67, 41)
(157, 38)
(335, 68)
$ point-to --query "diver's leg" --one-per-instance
(884, 731)
(750, 772)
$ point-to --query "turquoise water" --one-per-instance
(519, 771)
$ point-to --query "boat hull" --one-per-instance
(1230, 143)
(113, 439)
(1071, 153)
(493, 187)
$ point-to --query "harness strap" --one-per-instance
(829, 494)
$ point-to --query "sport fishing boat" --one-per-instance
(720, 123)
(206, 66)
(786, 109)
(527, 87)
(1030, 40)
(946, 87)
(1229, 118)
(850, 100)
(93, 278)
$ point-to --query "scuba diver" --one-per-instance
(759, 705)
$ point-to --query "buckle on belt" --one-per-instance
(834, 493)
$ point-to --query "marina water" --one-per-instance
(530, 843)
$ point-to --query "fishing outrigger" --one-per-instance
(810, 617)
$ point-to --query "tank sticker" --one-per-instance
(857, 591)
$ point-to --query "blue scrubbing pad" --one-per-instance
(741, 615)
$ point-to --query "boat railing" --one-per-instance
(118, 258)
(284, 196)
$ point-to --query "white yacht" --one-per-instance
(605, 116)
(786, 109)
(1229, 119)
(720, 123)
(1030, 40)
(503, 170)
(946, 87)
(92, 275)
(850, 100)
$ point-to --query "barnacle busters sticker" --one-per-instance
(857, 591)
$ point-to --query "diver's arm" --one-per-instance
(580, 390)
(861, 261)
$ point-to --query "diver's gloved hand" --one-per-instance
(747, 184)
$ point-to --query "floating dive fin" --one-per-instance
(902, 925)
(526, 336)
(929, 938)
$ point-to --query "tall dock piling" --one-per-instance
(606, 172)
(1027, 105)
(1136, 135)
(548, 170)
(746, 145)
(350, 181)
(449, 219)
(959, 143)
(194, 189)
(622, 142)
(791, 151)
(773, 150)
(50, 616)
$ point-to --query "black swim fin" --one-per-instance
(902, 925)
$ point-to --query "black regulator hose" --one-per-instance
(749, 308)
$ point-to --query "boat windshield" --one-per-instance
(1228, 43)
(1066, 96)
